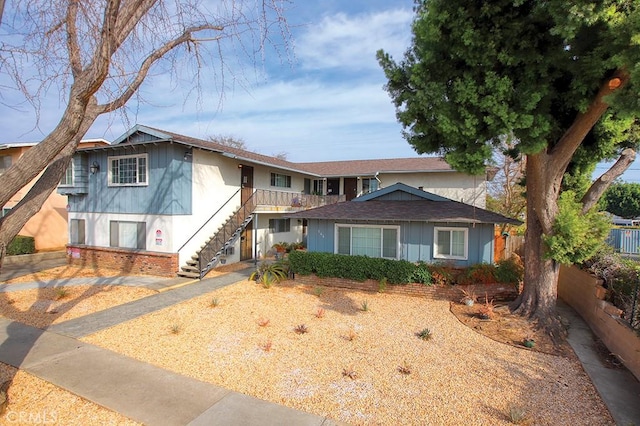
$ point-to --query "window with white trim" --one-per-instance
(451, 243)
(128, 170)
(280, 180)
(367, 240)
(128, 234)
(279, 225)
(67, 179)
(318, 187)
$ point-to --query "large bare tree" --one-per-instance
(97, 53)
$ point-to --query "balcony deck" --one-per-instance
(267, 201)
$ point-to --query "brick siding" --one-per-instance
(452, 293)
(128, 261)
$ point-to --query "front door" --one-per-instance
(246, 239)
(350, 188)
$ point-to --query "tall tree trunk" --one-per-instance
(538, 298)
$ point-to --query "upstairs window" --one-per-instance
(67, 179)
(318, 187)
(280, 180)
(5, 163)
(369, 185)
(128, 170)
(451, 243)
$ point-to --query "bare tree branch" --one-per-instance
(156, 55)
(600, 185)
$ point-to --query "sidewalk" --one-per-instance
(618, 388)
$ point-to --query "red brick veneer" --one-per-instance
(129, 261)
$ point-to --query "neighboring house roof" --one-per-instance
(424, 207)
(320, 169)
(371, 167)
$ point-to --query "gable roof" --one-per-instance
(319, 169)
(423, 207)
(399, 189)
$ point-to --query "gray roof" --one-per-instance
(405, 211)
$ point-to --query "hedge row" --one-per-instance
(360, 268)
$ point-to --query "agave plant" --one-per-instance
(270, 273)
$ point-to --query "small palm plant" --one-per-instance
(269, 273)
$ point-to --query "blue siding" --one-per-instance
(169, 191)
(416, 240)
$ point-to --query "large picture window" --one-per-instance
(128, 234)
(451, 243)
(280, 180)
(129, 170)
(372, 241)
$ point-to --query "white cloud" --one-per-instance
(342, 41)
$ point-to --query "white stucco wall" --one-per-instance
(456, 186)
(97, 229)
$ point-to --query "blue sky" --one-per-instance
(326, 102)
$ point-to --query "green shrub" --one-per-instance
(421, 274)
(481, 273)
(358, 268)
(510, 270)
(21, 245)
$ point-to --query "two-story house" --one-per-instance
(159, 202)
(48, 227)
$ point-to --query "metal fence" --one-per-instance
(625, 241)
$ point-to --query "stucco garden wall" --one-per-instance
(583, 292)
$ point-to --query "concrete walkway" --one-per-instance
(137, 390)
(618, 388)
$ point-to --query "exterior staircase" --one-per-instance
(214, 250)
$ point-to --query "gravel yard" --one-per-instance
(360, 360)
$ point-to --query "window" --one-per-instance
(318, 187)
(451, 243)
(281, 181)
(279, 225)
(369, 185)
(67, 179)
(5, 163)
(5, 211)
(372, 241)
(76, 231)
(128, 234)
(128, 170)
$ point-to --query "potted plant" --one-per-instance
(281, 249)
